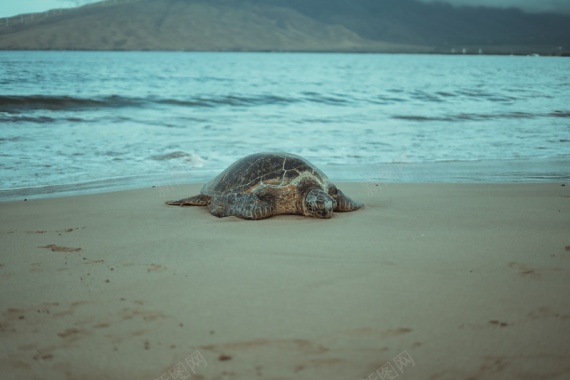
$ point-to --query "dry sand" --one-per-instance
(429, 281)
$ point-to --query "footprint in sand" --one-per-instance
(58, 248)
(155, 268)
(546, 312)
(529, 272)
(525, 271)
(498, 323)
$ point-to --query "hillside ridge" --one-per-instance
(288, 25)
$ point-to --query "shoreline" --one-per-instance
(537, 171)
(445, 281)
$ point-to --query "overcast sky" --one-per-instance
(14, 7)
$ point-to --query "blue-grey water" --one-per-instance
(73, 122)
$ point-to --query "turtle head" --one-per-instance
(319, 204)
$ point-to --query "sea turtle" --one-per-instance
(265, 184)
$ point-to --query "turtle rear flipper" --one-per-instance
(344, 203)
(197, 200)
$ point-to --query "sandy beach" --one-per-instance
(428, 281)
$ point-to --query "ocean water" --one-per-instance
(77, 122)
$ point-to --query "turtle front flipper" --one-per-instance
(197, 200)
(344, 203)
(245, 206)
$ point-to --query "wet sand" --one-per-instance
(428, 281)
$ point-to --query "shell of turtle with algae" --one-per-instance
(265, 184)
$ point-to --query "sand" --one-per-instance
(428, 281)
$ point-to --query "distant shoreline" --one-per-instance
(434, 52)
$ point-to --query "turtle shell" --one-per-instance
(277, 169)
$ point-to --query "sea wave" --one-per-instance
(477, 116)
(38, 119)
(225, 100)
(560, 114)
(15, 104)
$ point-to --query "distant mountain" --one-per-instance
(442, 25)
(288, 25)
(183, 25)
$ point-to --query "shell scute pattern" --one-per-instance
(260, 169)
